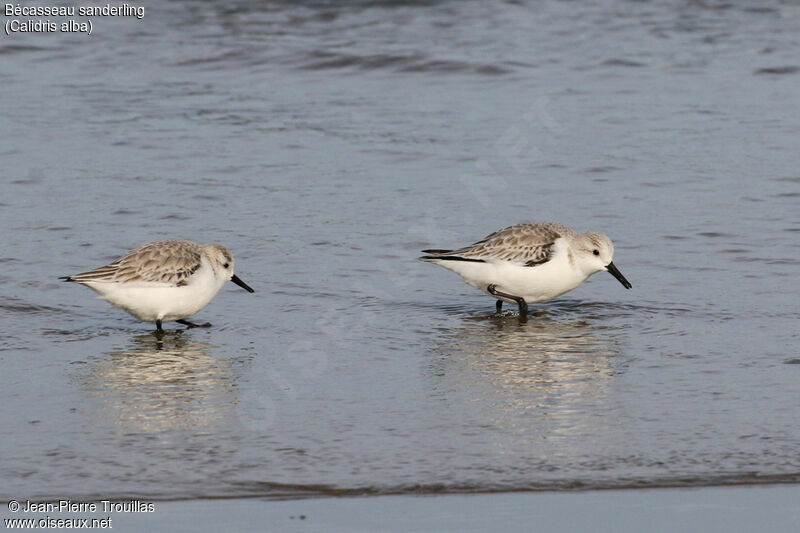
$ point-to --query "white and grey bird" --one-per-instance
(164, 280)
(529, 263)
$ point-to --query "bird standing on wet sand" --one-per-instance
(164, 280)
(529, 263)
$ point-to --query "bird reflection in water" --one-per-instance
(169, 382)
(539, 378)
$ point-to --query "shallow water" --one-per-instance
(326, 144)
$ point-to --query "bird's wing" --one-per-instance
(523, 244)
(170, 263)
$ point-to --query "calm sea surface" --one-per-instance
(326, 143)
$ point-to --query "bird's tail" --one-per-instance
(446, 255)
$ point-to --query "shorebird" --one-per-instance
(529, 263)
(164, 280)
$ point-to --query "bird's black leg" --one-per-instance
(499, 306)
(159, 329)
(523, 306)
(192, 324)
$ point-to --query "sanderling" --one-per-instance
(164, 280)
(528, 263)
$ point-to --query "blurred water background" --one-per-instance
(326, 143)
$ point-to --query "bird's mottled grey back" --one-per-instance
(171, 262)
(526, 244)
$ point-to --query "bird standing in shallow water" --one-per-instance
(529, 263)
(164, 280)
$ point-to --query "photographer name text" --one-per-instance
(69, 506)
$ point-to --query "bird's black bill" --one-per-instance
(612, 269)
(247, 287)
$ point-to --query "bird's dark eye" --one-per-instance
(226, 265)
(596, 252)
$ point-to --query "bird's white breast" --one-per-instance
(534, 284)
(153, 301)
